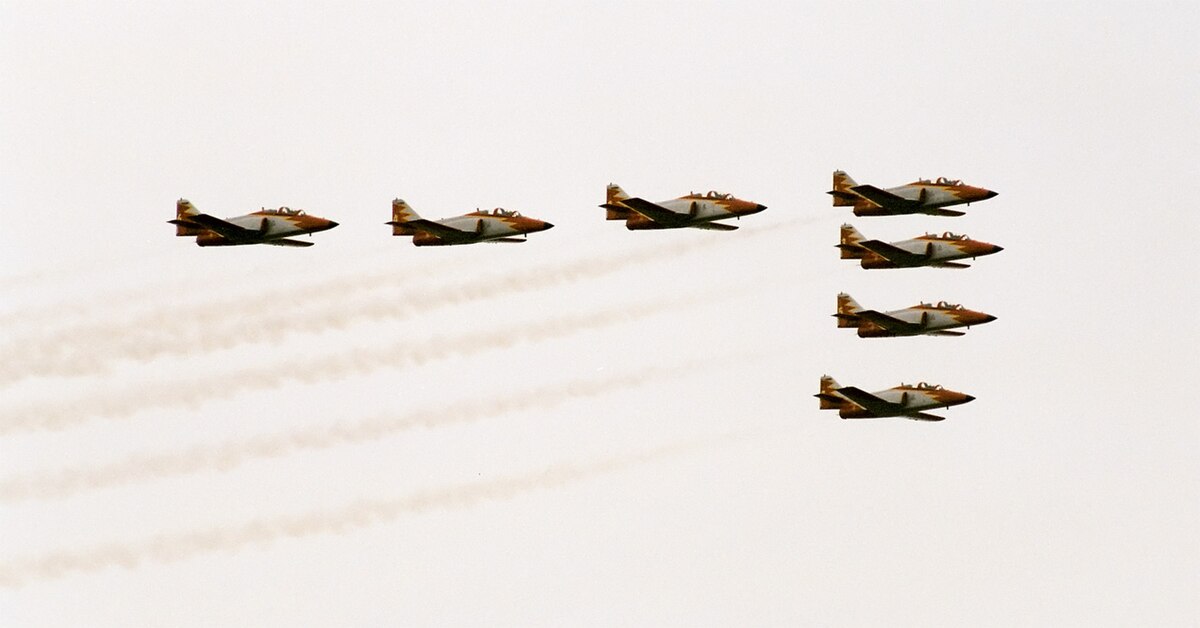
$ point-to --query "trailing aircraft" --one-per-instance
(266, 226)
(927, 250)
(922, 319)
(698, 211)
(498, 225)
(919, 197)
(908, 401)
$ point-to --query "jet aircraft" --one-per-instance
(922, 319)
(266, 226)
(927, 250)
(908, 401)
(698, 211)
(919, 197)
(498, 225)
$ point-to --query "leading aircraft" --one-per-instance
(266, 226)
(698, 211)
(922, 319)
(927, 250)
(498, 225)
(919, 197)
(908, 401)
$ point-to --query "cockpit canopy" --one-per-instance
(946, 305)
(500, 211)
(922, 386)
(948, 235)
(941, 181)
(713, 194)
(283, 211)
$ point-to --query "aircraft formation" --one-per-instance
(278, 227)
(938, 251)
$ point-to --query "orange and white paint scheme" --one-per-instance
(939, 251)
(919, 197)
(696, 211)
(266, 226)
(906, 400)
(498, 225)
(923, 319)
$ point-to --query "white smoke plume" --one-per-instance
(170, 548)
(116, 402)
(187, 329)
(227, 455)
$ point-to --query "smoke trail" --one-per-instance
(115, 403)
(92, 348)
(169, 548)
(227, 455)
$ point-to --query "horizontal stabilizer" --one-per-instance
(885, 199)
(286, 242)
(891, 253)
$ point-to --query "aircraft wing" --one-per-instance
(924, 416)
(654, 212)
(226, 229)
(869, 401)
(514, 240)
(891, 253)
(889, 323)
(951, 265)
(944, 212)
(714, 226)
(287, 242)
(885, 199)
(944, 332)
(436, 228)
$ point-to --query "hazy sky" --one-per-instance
(596, 427)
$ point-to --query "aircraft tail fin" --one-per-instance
(828, 395)
(849, 244)
(847, 310)
(613, 197)
(401, 214)
(183, 210)
(843, 196)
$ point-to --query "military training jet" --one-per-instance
(266, 226)
(902, 401)
(919, 197)
(921, 319)
(927, 250)
(697, 211)
(498, 225)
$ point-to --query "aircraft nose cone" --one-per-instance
(332, 224)
(987, 318)
(968, 398)
(990, 194)
(759, 207)
(997, 249)
(547, 225)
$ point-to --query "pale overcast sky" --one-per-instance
(596, 427)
